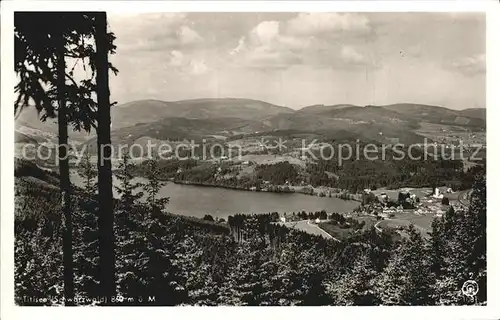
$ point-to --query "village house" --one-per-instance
(437, 194)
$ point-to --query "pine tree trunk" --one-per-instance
(106, 235)
(64, 178)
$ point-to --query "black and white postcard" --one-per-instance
(271, 154)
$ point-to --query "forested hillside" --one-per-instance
(165, 259)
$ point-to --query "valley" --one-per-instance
(296, 158)
(231, 117)
(257, 158)
(254, 145)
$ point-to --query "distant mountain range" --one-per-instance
(194, 119)
(146, 111)
(403, 111)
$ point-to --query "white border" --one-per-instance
(9, 310)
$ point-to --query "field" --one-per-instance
(341, 233)
(393, 193)
(419, 192)
(307, 226)
(270, 158)
(448, 133)
(336, 231)
(421, 222)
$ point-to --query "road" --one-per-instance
(312, 228)
(463, 198)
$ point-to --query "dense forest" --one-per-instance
(165, 259)
(391, 172)
(352, 176)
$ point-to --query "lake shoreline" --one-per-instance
(197, 201)
(291, 189)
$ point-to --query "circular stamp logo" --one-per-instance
(470, 288)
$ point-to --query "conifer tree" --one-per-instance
(43, 41)
(355, 288)
(437, 246)
(104, 46)
(152, 188)
(126, 188)
(407, 279)
(242, 285)
(463, 236)
(87, 171)
(477, 218)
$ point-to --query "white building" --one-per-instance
(437, 194)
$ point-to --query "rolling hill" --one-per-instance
(479, 113)
(401, 112)
(28, 122)
(144, 111)
(24, 138)
(364, 114)
(218, 118)
(322, 109)
(351, 125)
(147, 111)
(180, 129)
(434, 114)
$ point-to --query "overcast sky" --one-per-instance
(300, 59)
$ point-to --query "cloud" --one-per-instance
(154, 32)
(197, 67)
(310, 24)
(306, 58)
(351, 55)
(267, 57)
(414, 51)
(186, 66)
(265, 32)
(176, 58)
(265, 47)
(240, 47)
(282, 44)
(469, 66)
(188, 36)
(269, 44)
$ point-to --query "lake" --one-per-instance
(197, 201)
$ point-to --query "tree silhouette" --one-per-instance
(152, 188)
(87, 172)
(127, 189)
(43, 42)
(104, 45)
